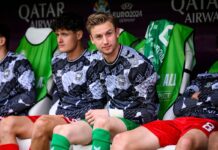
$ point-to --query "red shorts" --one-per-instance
(169, 131)
(34, 118)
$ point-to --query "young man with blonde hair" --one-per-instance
(129, 81)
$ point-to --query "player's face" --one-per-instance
(2, 41)
(104, 36)
(67, 40)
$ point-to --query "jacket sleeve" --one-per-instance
(26, 93)
(185, 104)
(55, 94)
(18, 104)
(214, 98)
(138, 115)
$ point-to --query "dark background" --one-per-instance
(133, 16)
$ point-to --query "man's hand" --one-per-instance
(91, 115)
(195, 95)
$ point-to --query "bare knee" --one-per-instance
(65, 130)
(186, 143)
(77, 133)
(214, 137)
(102, 123)
(189, 143)
(69, 130)
(61, 129)
(41, 128)
(8, 125)
(120, 141)
(213, 144)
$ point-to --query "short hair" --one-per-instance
(5, 32)
(99, 18)
(68, 21)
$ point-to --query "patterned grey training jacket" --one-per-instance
(207, 104)
(17, 85)
(77, 85)
(130, 86)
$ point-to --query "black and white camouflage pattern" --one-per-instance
(77, 85)
(17, 81)
(207, 105)
(130, 85)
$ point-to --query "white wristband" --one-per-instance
(116, 113)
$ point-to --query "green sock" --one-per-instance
(59, 142)
(100, 139)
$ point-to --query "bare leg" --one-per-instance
(140, 138)
(78, 132)
(213, 141)
(105, 128)
(15, 126)
(112, 124)
(42, 131)
(193, 139)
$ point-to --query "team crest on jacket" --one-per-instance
(79, 76)
(6, 73)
